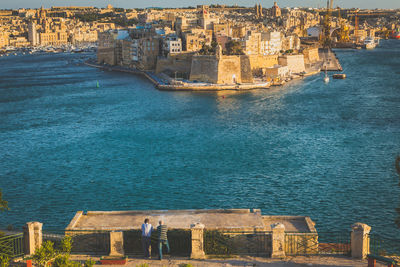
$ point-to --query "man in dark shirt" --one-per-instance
(162, 238)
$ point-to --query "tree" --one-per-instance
(234, 48)
(3, 203)
(209, 50)
(206, 50)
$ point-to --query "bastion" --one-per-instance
(217, 219)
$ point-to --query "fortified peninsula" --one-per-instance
(213, 49)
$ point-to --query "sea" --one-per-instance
(307, 148)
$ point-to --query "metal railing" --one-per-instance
(251, 243)
(97, 242)
(180, 242)
(12, 246)
(91, 242)
(384, 246)
(318, 243)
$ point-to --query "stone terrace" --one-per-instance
(231, 219)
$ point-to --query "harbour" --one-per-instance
(274, 149)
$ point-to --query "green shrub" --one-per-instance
(4, 261)
(62, 260)
(66, 244)
(185, 265)
(44, 254)
(59, 258)
(90, 262)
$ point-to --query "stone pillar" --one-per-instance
(117, 244)
(32, 237)
(278, 240)
(197, 231)
(360, 240)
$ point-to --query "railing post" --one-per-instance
(371, 262)
(360, 240)
(278, 240)
(32, 237)
(117, 244)
(197, 232)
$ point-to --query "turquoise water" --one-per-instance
(324, 151)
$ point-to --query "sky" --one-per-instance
(371, 4)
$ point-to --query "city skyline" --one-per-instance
(367, 4)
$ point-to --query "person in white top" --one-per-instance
(147, 228)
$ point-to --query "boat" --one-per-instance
(395, 35)
(370, 43)
(339, 76)
(326, 78)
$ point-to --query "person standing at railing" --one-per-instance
(162, 230)
(147, 228)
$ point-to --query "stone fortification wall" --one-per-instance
(258, 62)
(229, 70)
(295, 63)
(245, 68)
(311, 55)
(181, 63)
(204, 69)
(106, 55)
(222, 70)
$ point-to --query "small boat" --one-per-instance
(339, 76)
(326, 78)
(395, 35)
(98, 85)
(370, 43)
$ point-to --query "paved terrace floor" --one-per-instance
(175, 219)
(300, 261)
(232, 219)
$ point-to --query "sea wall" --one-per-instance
(222, 70)
(204, 69)
(229, 70)
(181, 63)
(106, 55)
(295, 63)
(245, 69)
(311, 55)
(258, 62)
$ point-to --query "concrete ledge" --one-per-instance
(74, 220)
(230, 220)
(299, 224)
